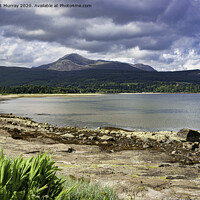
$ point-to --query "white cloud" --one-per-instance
(184, 55)
(18, 52)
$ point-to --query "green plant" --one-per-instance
(31, 179)
(87, 190)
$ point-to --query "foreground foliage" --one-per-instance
(35, 178)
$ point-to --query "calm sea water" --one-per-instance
(130, 111)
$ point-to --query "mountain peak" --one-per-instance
(75, 61)
(71, 56)
(78, 59)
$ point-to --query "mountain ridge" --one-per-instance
(75, 61)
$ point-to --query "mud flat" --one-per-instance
(141, 165)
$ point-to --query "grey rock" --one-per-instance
(59, 133)
(145, 146)
(106, 131)
(51, 129)
(107, 138)
(92, 138)
(70, 150)
(165, 165)
(82, 135)
(195, 146)
(67, 135)
(189, 135)
(187, 145)
(175, 177)
(173, 152)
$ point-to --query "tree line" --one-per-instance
(105, 87)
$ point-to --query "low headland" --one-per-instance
(140, 165)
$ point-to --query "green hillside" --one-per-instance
(98, 80)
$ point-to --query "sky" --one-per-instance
(162, 33)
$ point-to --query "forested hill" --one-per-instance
(98, 80)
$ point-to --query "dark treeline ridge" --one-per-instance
(15, 76)
(105, 87)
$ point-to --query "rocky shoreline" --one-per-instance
(182, 146)
(143, 165)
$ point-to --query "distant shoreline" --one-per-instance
(11, 96)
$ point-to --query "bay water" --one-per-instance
(130, 111)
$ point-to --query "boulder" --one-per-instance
(195, 146)
(51, 129)
(106, 131)
(67, 135)
(93, 138)
(16, 134)
(82, 135)
(59, 133)
(70, 150)
(165, 165)
(189, 135)
(107, 138)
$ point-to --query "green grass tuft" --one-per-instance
(88, 190)
(33, 178)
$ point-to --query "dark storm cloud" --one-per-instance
(183, 17)
(125, 11)
(152, 24)
(176, 18)
(22, 18)
(155, 26)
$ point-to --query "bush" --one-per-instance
(33, 178)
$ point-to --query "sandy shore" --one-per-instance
(10, 96)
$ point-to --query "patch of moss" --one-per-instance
(94, 166)
(159, 177)
(153, 167)
(68, 165)
(135, 175)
